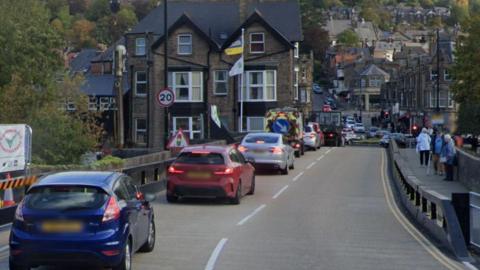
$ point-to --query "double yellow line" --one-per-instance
(418, 236)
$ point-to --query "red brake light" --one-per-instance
(242, 149)
(140, 196)
(113, 252)
(224, 172)
(330, 135)
(276, 150)
(112, 211)
(297, 145)
(173, 170)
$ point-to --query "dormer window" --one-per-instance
(257, 43)
(184, 44)
(140, 46)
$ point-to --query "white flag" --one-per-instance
(237, 68)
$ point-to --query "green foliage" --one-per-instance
(28, 43)
(348, 38)
(108, 162)
(98, 9)
(143, 7)
(111, 28)
(469, 118)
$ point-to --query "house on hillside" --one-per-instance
(366, 31)
(368, 86)
(198, 33)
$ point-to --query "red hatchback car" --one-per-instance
(210, 171)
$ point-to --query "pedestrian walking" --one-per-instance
(423, 147)
(438, 143)
(449, 157)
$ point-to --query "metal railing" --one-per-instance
(474, 207)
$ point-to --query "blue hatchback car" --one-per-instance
(82, 218)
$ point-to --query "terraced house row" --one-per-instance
(276, 74)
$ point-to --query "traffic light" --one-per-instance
(387, 115)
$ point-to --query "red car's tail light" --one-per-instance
(242, 149)
(330, 135)
(112, 212)
(109, 253)
(276, 150)
(173, 170)
(227, 171)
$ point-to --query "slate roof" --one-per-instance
(374, 70)
(82, 61)
(102, 85)
(221, 18)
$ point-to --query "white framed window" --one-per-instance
(433, 74)
(140, 130)
(140, 83)
(446, 75)
(192, 126)
(446, 99)
(188, 86)
(261, 85)
(184, 42)
(140, 47)
(295, 84)
(296, 50)
(255, 124)
(70, 106)
(92, 103)
(375, 81)
(104, 104)
(220, 82)
(257, 42)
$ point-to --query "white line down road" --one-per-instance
(280, 192)
(311, 165)
(245, 219)
(216, 252)
(297, 177)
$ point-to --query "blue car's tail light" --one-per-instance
(112, 211)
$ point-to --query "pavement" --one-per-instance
(432, 181)
(331, 212)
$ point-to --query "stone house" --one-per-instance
(198, 33)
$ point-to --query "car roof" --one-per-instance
(264, 134)
(98, 179)
(207, 147)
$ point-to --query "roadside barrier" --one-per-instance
(433, 211)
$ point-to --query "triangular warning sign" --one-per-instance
(178, 140)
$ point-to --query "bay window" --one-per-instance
(261, 85)
(187, 86)
(446, 99)
(192, 126)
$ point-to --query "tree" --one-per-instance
(81, 34)
(143, 7)
(316, 39)
(55, 6)
(79, 6)
(29, 85)
(98, 9)
(348, 38)
(111, 28)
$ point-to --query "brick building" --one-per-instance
(198, 33)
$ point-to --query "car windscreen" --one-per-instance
(200, 158)
(262, 139)
(65, 198)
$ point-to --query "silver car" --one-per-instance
(311, 138)
(268, 150)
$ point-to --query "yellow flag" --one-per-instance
(235, 48)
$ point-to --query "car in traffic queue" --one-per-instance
(318, 130)
(385, 140)
(349, 135)
(326, 108)
(210, 171)
(359, 128)
(96, 219)
(311, 138)
(372, 131)
(269, 150)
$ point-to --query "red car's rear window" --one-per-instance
(200, 158)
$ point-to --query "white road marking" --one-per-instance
(216, 252)
(280, 192)
(6, 226)
(470, 266)
(319, 158)
(297, 177)
(245, 219)
(311, 165)
(328, 151)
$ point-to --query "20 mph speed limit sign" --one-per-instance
(165, 97)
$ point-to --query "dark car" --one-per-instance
(97, 219)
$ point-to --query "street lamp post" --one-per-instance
(165, 67)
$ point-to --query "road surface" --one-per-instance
(331, 212)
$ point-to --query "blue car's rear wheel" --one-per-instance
(126, 263)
